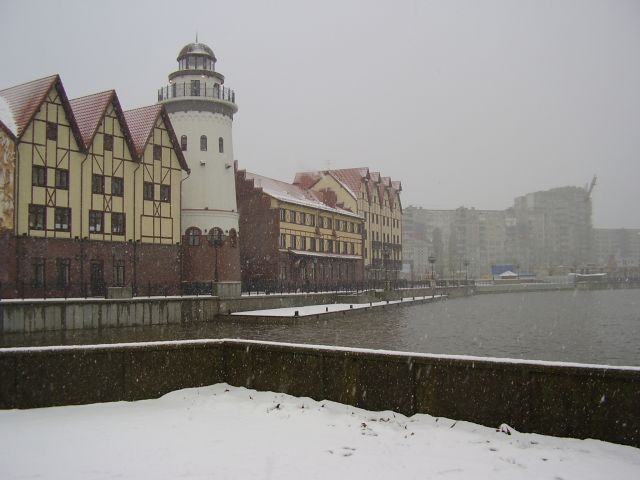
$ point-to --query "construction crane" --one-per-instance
(590, 188)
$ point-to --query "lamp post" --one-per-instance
(432, 261)
(216, 238)
(385, 253)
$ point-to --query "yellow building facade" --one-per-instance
(377, 200)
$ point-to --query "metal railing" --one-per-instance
(188, 89)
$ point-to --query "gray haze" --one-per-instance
(466, 102)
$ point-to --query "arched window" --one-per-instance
(233, 237)
(183, 143)
(220, 145)
(203, 143)
(193, 236)
(216, 236)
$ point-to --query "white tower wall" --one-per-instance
(198, 104)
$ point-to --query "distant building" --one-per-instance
(551, 229)
(295, 237)
(616, 248)
(464, 241)
(377, 200)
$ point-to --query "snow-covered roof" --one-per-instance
(290, 193)
(6, 116)
(508, 273)
(326, 255)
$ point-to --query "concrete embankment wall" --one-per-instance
(34, 315)
(523, 287)
(554, 399)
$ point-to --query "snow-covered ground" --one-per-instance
(327, 308)
(227, 432)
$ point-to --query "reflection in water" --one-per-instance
(588, 327)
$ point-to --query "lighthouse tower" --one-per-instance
(201, 110)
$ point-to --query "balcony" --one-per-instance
(190, 90)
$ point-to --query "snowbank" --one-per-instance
(227, 432)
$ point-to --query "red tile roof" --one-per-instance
(141, 122)
(25, 100)
(89, 112)
(307, 179)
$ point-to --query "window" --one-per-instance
(117, 223)
(63, 272)
(39, 176)
(356, 228)
(118, 272)
(353, 249)
(283, 241)
(38, 272)
(193, 236)
(303, 218)
(329, 245)
(62, 178)
(233, 237)
(203, 143)
(52, 131)
(292, 216)
(329, 223)
(96, 221)
(293, 241)
(321, 245)
(220, 145)
(37, 217)
(108, 142)
(195, 88)
(283, 215)
(312, 244)
(62, 219)
(117, 186)
(183, 143)
(147, 191)
(97, 183)
(312, 220)
(165, 193)
(303, 243)
(157, 150)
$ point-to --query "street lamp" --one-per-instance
(216, 238)
(432, 261)
(386, 252)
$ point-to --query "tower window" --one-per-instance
(157, 151)
(193, 236)
(183, 143)
(221, 145)
(203, 143)
(195, 88)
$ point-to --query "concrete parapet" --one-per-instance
(573, 400)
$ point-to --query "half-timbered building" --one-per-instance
(90, 197)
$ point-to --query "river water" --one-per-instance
(577, 326)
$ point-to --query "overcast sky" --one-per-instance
(466, 102)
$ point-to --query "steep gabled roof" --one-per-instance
(307, 179)
(351, 178)
(26, 99)
(141, 122)
(89, 112)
